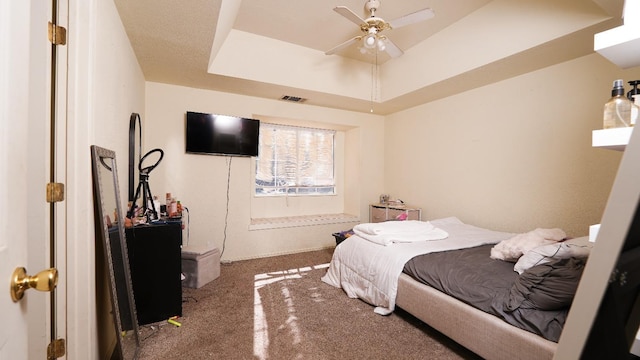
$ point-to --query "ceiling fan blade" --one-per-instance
(346, 12)
(343, 45)
(412, 18)
(392, 49)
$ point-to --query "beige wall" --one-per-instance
(514, 155)
(200, 181)
(106, 85)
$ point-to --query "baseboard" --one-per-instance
(280, 253)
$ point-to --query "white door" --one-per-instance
(29, 225)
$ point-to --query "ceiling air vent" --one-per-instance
(293, 98)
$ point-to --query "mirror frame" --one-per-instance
(135, 152)
(112, 236)
(605, 312)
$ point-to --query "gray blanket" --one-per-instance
(471, 276)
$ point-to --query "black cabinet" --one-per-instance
(155, 262)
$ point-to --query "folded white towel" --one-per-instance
(408, 226)
(385, 233)
(368, 228)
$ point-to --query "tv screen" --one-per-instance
(221, 134)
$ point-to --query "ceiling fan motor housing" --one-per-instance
(371, 6)
(372, 21)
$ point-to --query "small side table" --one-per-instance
(384, 212)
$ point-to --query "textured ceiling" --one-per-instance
(466, 45)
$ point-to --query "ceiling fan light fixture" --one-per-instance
(370, 41)
(381, 44)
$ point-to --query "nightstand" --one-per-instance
(384, 212)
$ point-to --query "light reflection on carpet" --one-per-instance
(260, 326)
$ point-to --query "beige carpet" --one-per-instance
(277, 308)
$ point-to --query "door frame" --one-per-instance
(60, 16)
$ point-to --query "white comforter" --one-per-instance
(370, 271)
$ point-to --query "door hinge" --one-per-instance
(55, 192)
(56, 349)
(57, 34)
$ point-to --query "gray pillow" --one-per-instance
(550, 286)
(543, 254)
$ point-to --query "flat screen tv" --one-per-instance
(221, 134)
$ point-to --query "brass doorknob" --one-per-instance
(45, 280)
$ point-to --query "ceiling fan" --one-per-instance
(373, 26)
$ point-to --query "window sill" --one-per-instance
(306, 220)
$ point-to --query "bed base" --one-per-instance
(482, 333)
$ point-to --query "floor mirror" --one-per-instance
(110, 234)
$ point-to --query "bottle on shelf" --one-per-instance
(168, 203)
(617, 111)
(174, 208)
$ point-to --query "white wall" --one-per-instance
(105, 86)
(513, 155)
(200, 181)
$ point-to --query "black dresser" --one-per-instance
(155, 262)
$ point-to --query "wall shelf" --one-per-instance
(613, 139)
(621, 45)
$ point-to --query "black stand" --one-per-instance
(143, 186)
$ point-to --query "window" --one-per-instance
(295, 161)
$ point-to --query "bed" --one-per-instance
(414, 272)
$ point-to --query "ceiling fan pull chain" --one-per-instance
(374, 80)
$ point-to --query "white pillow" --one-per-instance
(511, 249)
(544, 254)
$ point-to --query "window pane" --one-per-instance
(295, 160)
